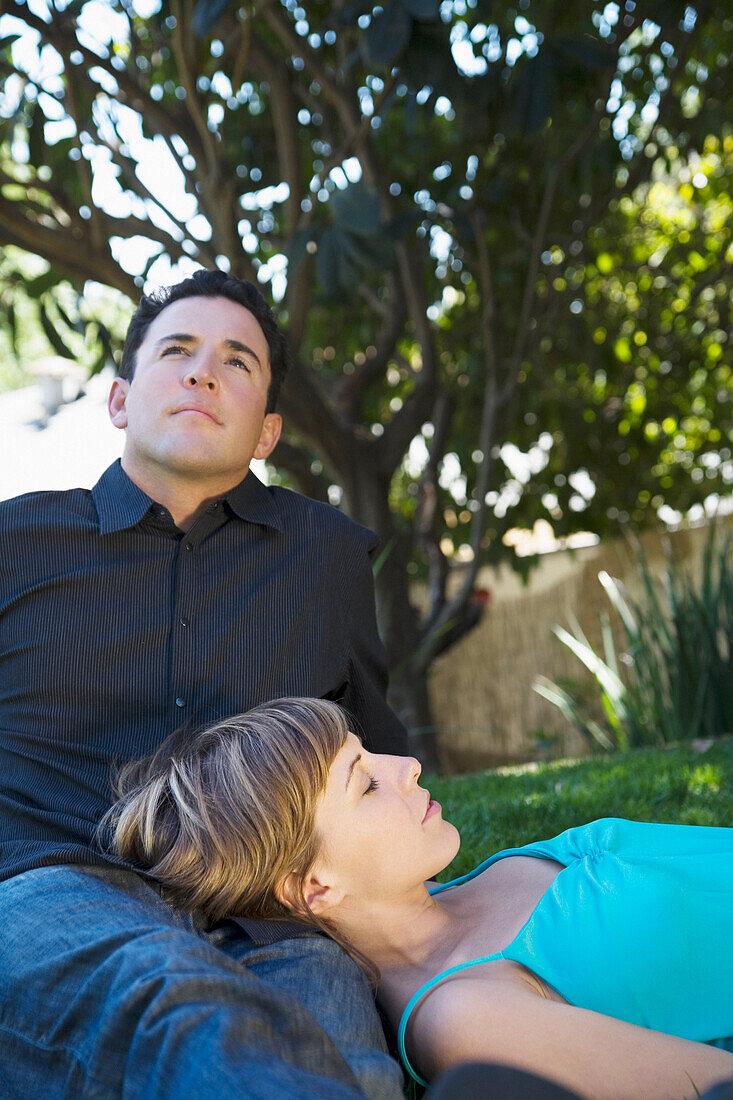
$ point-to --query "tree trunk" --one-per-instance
(408, 696)
(398, 618)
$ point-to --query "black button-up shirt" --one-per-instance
(116, 628)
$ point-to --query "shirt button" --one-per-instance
(184, 621)
(180, 702)
(189, 545)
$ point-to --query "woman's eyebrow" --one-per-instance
(352, 765)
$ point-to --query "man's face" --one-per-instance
(195, 407)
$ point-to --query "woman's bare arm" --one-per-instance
(507, 1021)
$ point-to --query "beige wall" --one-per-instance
(481, 689)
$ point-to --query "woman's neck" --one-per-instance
(412, 934)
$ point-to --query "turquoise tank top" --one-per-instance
(637, 925)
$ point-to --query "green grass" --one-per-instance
(513, 806)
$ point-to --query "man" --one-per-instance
(178, 590)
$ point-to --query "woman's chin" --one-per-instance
(450, 844)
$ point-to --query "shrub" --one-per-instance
(676, 683)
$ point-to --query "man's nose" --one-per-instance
(201, 374)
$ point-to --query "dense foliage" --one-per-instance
(491, 229)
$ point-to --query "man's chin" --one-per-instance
(187, 462)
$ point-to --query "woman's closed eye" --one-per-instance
(373, 784)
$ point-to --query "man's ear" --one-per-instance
(319, 896)
(117, 402)
(269, 435)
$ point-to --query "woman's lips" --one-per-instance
(433, 808)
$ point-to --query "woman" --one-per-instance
(602, 959)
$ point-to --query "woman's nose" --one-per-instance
(411, 770)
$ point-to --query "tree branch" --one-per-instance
(60, 34)
(538, 243)
(66, 253)
(284, 117)
(299, 47)
(427, 508)
(451, 613)
(415, 410)
(181, 39)
(292, 458)
(284, 122)
(352, 387)
(304, 408)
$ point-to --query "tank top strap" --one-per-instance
(418, 996)
(540, 851)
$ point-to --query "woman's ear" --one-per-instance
(319, 897)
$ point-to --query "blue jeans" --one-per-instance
(109, 994)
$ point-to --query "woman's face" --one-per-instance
(380, 832)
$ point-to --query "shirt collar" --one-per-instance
(253, 501)
(120, 503)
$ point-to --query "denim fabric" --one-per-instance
(334, 990)
(108, 994)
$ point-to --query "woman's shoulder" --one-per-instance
(460, 1015)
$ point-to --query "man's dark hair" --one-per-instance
(211, 284)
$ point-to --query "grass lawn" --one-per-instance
(512, 806)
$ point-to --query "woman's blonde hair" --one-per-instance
(222, 817)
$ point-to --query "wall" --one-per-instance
(481, 689)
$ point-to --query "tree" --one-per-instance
(404, 178)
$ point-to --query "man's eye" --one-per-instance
(173, 349)
(373, 784)
(242, 364)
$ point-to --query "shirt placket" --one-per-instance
(186, 620)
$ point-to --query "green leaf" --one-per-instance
(609, 682)
(422, 9)
(404, 225)
(99, 363)
(609, 648)
(350, 15)
(384, 553)
(297, 247)
(586, 51)
(36, 138)
(568, 707)
(42, 283)
(53, 337)
(388, 34)
(206, 13)
(357, 208)
(9, 40)
(336, 270)
(534, 97)
(614, 594)
(75, 326)
(12, 326)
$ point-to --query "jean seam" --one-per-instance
(66, 1049)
